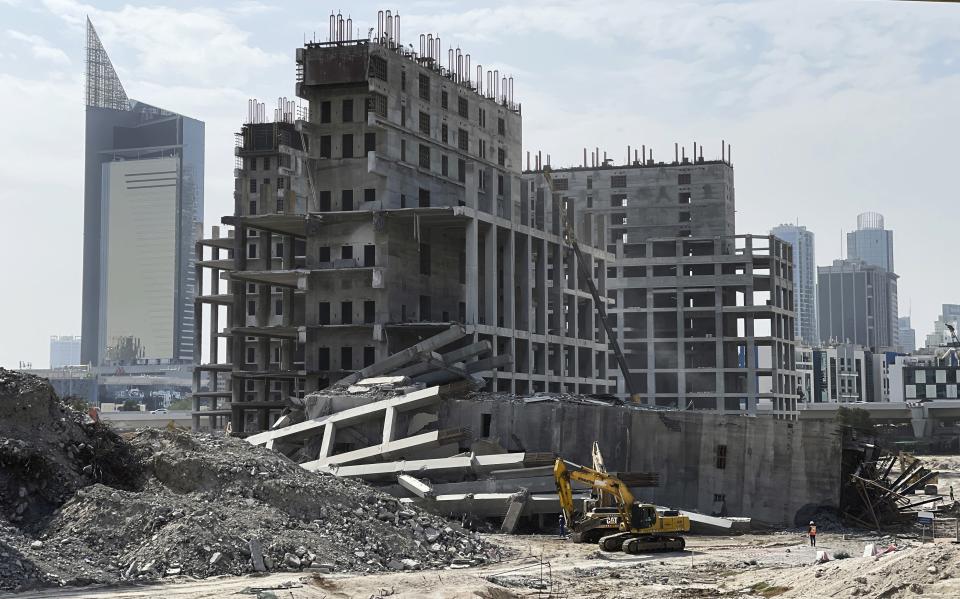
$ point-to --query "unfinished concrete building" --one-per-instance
(389, 208)
(705, 317)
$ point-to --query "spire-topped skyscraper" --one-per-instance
(143, 210)
(103, 86)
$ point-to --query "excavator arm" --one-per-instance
(600, 481)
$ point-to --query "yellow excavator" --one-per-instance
(632, 527)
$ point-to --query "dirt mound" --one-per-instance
(168, 503)
(929, 570)
(47, 452)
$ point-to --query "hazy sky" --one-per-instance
(833, 108)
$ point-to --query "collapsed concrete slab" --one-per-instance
(388, 471)
(415, 486)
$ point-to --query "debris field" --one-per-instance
(81, 505)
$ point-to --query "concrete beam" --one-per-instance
(489, 505)
(490, 363)
(515, 509)
(383, 380)
(402, 357)
(390, 449)
(410, 401)
(435, 467)
(415, 486)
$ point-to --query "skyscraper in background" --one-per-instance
(949, 314)
(908, 336)
(804, 280)
(872, 244)
(64, 351)
(143, 210)
(854, 305)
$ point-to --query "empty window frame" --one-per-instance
(378, 67)
(377, 104)
(424, 156)
(424, 123)
(423, 85)
(425, 259)
(721, 457)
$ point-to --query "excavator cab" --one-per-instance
(643, 516)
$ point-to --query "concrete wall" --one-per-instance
(772, 469)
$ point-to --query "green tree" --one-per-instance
(131, 405)
(857, 418)
(180, 404)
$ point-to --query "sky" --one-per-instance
(832, 109)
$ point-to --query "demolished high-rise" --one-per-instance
(704, 316)
(392, 208)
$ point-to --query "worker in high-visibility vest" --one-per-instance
(812, 531)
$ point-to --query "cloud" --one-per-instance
(195, 45)
(40, 47)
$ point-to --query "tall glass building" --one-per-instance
(804, 280)
(143, 211)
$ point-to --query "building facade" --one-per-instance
(871, 243)
(390, 209)
(704, 317)
(908, 336)
(143, 212)
(64, 351)
(856, 305)
(804, 280)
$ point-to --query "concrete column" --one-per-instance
(541, 284)
(326, 446)
(473, 275)
(522, 275)
(389, 424)
(509, 280)
(490, 272)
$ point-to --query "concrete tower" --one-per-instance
(143, 210)
(804, 280)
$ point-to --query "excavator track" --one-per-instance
(613, 542)
(646, 543)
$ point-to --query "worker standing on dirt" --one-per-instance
(812, 531)
(563, 526)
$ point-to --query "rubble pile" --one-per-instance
(922, 569)
(191, 504)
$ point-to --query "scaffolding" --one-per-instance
(103, 87)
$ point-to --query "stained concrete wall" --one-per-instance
(771, 469)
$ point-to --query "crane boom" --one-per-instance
(571, 239)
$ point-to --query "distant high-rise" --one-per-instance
(949, 314)
(908, 336)
(804, 280)
(64, 351)
(854, 305)
(143, 210)
(871, 243)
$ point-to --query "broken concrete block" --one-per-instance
(395, 564)
(291, 561)
(256, 555)
(215, 558)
